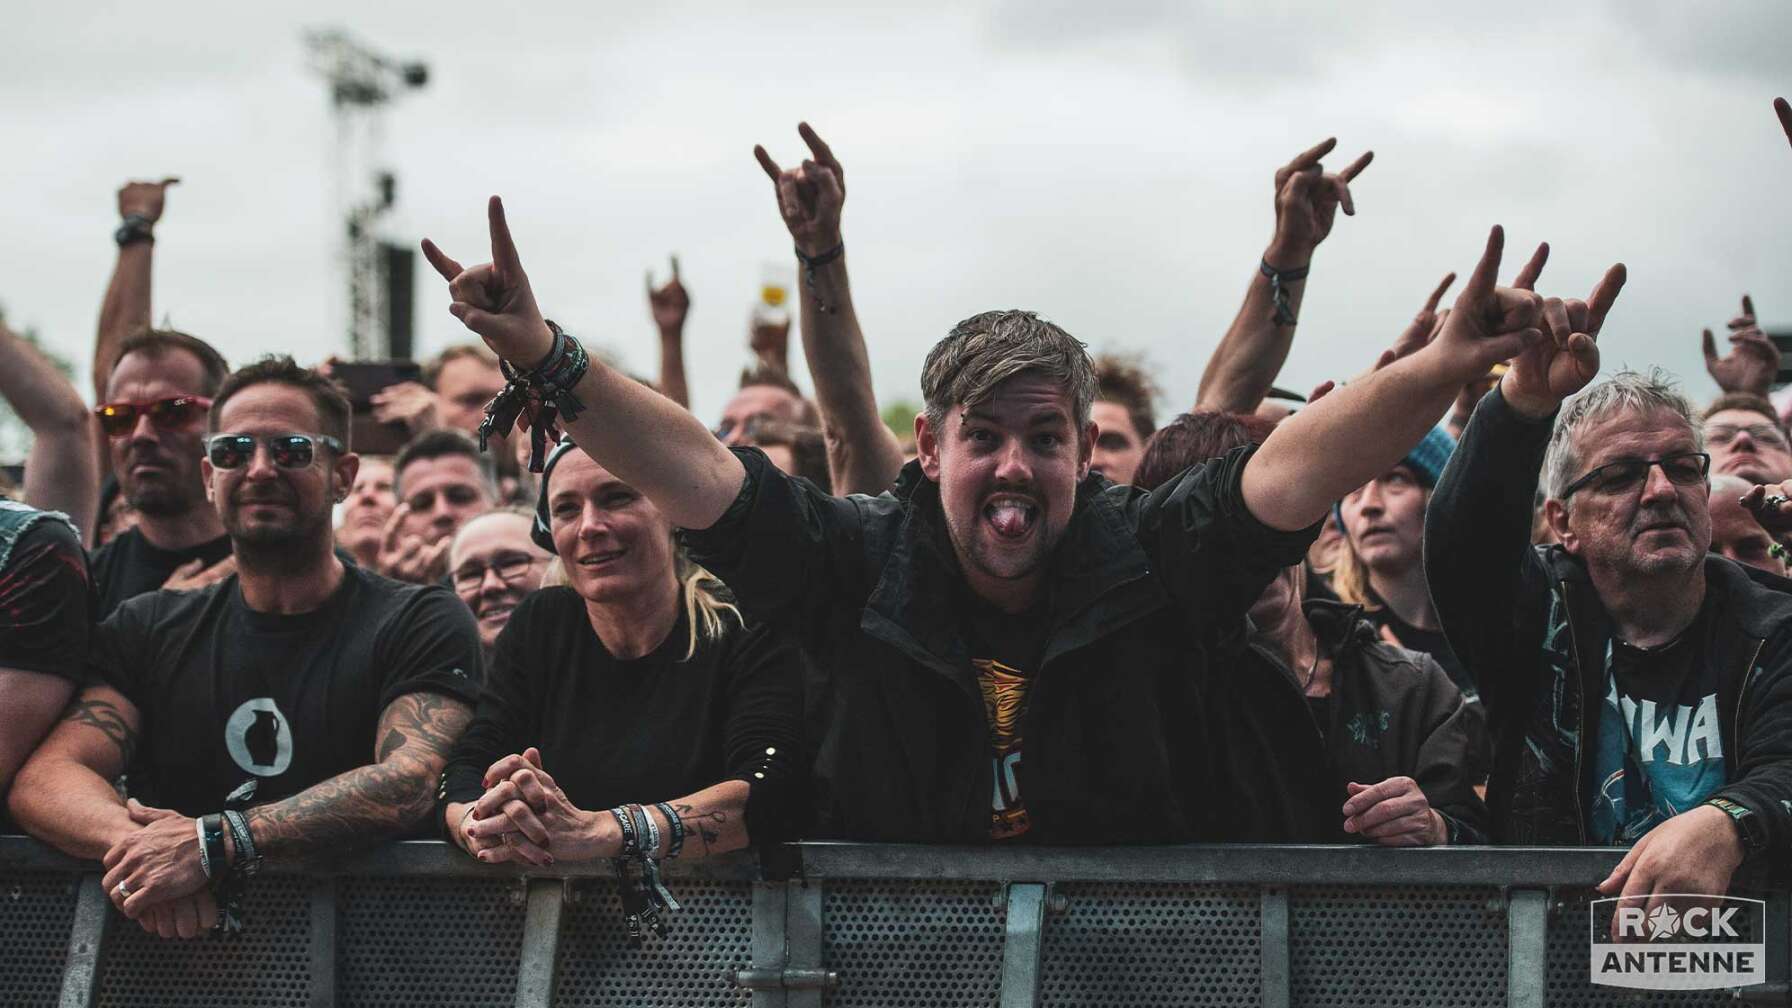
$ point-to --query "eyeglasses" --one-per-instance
(510, 567)
(1682, 469)
(1766, 433)
(118, 419)
(288, 451)
(751, 428)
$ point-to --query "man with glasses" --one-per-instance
(153, 418)
(1638, 686)
(493, 563)
(289, 712)
(1745, 439)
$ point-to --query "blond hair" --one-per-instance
(706, 602)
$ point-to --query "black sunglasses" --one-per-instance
(1682, 469)
(288, 451)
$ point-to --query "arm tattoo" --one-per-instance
(108, 719)
(372, 802)
(705, 826)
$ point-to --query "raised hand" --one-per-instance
(407, 557)
(669, 304)
(1488, 324)
(810, 195)
(1772, 507)
(1307, 202)
(409, 403)
(1567, 358)
(144, 199)
(493, 299)
(1424, 326)
(1753, 360)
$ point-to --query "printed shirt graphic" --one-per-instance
(1659, 750)
(1004, 693)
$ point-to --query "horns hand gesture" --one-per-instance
(493, 299)
(1567, 357)
(1307, 201)
(810, 195)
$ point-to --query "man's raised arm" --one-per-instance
(644, 438)
(62, 471)
(1341, 442)
(125, 309)
(1246, 362)
(863, 455)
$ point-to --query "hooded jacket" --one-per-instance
(1529, 624)
(1147, 591)
(1393, 713)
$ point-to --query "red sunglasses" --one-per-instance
(118, 419)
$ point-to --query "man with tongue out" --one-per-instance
(1006, 648)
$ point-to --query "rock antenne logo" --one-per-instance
(1684, 941)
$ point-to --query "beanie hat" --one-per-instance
(1426, 460)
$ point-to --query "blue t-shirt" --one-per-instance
(1660, 749)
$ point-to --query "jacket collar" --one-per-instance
(916, 605)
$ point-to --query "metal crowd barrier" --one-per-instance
(843, 925)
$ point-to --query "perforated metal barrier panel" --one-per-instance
(38, 909)
(895, 927)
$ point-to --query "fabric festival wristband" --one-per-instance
(627, 824)
(643, 831)
(1278, 293)
(248, 862)
(653, 832)
(676, 825)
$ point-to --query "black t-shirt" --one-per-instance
(130, 565)
(45, 602)
(1006, 650)
(643, 730)
(230, 695)
(1659, 748)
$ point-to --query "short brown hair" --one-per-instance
(774, 377)
(1744, 401)
(326, 395)
(807, 447)
(1195, 437)
(155, 343)
(432, 371)
(1122, 381)
(444, 442)
(989, 348)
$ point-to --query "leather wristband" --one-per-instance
(1278, 291)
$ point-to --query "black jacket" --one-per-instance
(1148, 591)
(1393, 712)
(1528, 622)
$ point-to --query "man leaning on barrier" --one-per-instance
(997, 599)
(1638, 688)
(298, 708)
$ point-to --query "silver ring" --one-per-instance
(1775, 500)
(123, 889)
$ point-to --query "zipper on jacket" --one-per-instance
(1580, 730)
(1730, 762)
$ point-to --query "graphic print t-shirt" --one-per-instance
(1005, 653)
(229, 695)
(1659, 750)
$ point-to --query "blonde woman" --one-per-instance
(627, 712)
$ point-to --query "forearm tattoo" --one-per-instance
(704, 827)
(110, 721)
(372, 802)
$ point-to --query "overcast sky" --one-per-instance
(1107, 164)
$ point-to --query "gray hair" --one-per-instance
(987, 349)
(1626, 391)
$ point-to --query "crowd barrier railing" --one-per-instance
(813, 924)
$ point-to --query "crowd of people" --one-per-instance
(1473, 594)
